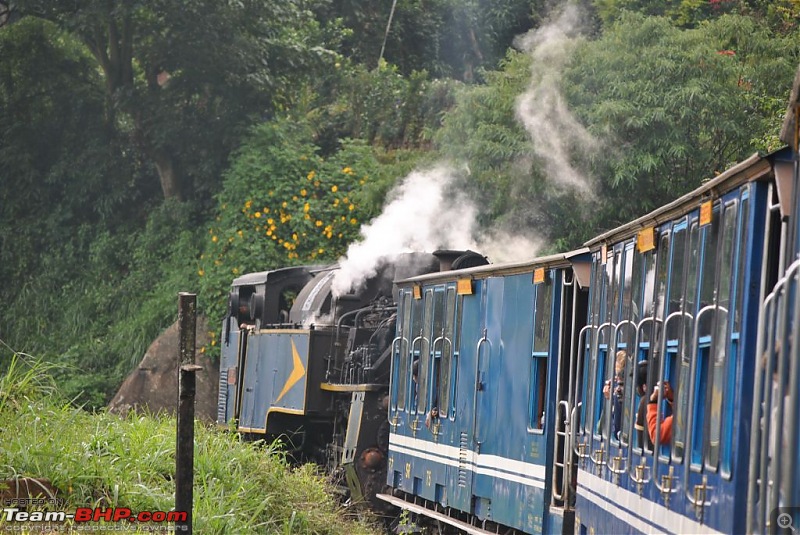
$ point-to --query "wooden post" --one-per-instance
(184, 446)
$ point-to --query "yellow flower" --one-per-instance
(266, 209)
(284, 204)
(336, 202)
(334, 188)
(269, 233)
(248, 204)
(351, 207)
(258, 214)
(347, 171)
(345, 200)
(320, 250)
(294, 236)
(311, 175)
(353, 221)
(230, 240)
(270, 221)
(303, 192)
(307, 217)
(240, 233)
(235, 271)
(306, 207)
(361, 182)
(316, 183)
(214, 239)
(294, 197)
(318, 223)
(201, 272)
(213, 342)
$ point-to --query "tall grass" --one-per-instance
(105, 460)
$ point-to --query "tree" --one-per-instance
(182, 78)
(62, 168)
(447, 38)
(677, 106)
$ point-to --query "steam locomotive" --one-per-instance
(474, 395)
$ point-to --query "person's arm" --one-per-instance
(665, 434)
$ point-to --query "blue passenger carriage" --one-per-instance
(679, 291)
(480, 359)
(774, 470)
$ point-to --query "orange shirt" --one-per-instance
(666, 425)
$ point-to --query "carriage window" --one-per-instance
(661, 277)
(456, 353)
(676, 275)
(636, 287)
(404, 332)
(720, 343)
(631, 263)
(447, 352)
(649, 283)
(437, 348)
(704, 331)
(615, 289)
(681, 389)
(424, 352)
(627, 276)
(590, 356)
(742, 261)
(541, 341)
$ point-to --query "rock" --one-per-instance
(153, 385)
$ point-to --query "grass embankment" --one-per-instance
(104, 460)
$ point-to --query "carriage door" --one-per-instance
(488, 349)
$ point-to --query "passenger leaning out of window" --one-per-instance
(665, 436)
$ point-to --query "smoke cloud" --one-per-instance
(542, 110)
(426, 211)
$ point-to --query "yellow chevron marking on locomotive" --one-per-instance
(298, 371)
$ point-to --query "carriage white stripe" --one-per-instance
(625, 505)
(490, 465)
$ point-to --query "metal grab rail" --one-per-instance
(411, 353)
(636, 343)
(667, 488)
(614, 466)
(393, 407)
(567, 451)
(581, 351)
(766, 472)
(687, 461)
(759, 424)
(478, 384)
(605, 415)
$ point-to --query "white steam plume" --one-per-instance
(424, 213)
(542, 110)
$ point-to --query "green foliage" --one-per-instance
(447, 38)
(104, 460)
(283, 203)
(99, 299)
(781, 16)
(182, 79)
(676, 106)
(380, 106)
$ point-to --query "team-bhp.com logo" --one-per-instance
(88, 517)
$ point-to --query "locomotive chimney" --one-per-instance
(450, 259)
